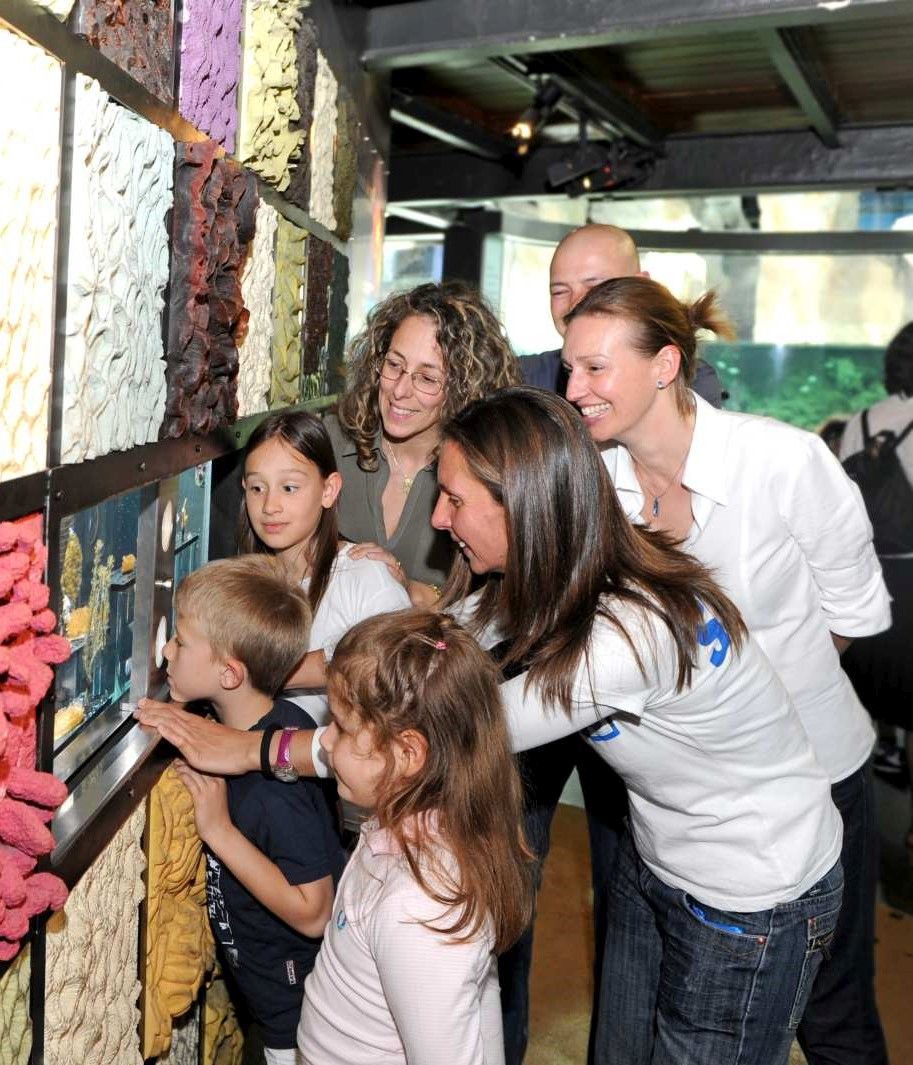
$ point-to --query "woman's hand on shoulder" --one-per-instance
(381, 554)
(204, 744)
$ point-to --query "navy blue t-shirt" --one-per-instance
(295, 826)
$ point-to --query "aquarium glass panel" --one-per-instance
(191, 524)
(98, 569)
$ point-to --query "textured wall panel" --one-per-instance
(29, 166)
(346, 174)
(15, 1026)
(270, 136)
(137, 35)
(255, 351)
(28, 798)
(179, 944)
(299, 188)
(114, 373)
(60, 8)
(316, 318)
(223, 1043)
(215, 202)
(288, 306)
(339, 320)
(185, 1041)
(210, 67)
(323, 145)
(91, 983)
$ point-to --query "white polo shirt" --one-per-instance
(785, 532)
(727, 800)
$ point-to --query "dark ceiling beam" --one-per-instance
(516, 69)
(603, 102)
(453, 130)
(434, 31)
(880, 156)
(804, 82)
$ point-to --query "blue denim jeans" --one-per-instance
(686, 984)
(545, 771)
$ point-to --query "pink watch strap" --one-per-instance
(282, 751)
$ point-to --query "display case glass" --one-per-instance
(97, 603)
(191, 523)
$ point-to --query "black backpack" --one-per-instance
(886, 491)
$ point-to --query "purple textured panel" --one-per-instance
(137, 35)
(210, 67)
(215, 205)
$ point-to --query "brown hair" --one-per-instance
(573, 553)
(420, 670)
(477, 356)
(659, 320)
(249, 611)
(307, 435)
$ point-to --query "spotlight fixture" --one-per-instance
(535, 116)
(598, 167)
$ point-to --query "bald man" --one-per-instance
(583, 259)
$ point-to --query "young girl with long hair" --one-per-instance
(291, 486)
(441, 878)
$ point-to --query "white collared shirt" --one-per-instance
(785, 532)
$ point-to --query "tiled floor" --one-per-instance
(561, 984)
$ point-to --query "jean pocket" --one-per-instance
(730, 924)
(821, 930)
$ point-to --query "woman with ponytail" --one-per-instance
(768, 509)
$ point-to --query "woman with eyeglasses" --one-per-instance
(421, 357)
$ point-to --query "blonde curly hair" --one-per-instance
(477, 356)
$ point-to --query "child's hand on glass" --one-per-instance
(210, 802)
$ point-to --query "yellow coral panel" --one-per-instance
(179, 944)
(223, 1043)
(15, 1027)
(91, 982)
(288, 309)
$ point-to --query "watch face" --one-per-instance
(288, 774)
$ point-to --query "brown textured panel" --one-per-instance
(137, 35)
(339, 320)
(317, 303)
(214, 210)
(179, 944)
(346, 165)
(299, 188)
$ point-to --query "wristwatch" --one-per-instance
(282, 768)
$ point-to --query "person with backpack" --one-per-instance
(877, 452)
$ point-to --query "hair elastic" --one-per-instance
(439, 645)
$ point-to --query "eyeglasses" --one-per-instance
(391, 370)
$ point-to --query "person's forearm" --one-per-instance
(311, 673)
(425, 596)
(304, 907)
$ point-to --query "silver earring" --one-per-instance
(660, 384)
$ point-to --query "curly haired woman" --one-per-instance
(421, 357)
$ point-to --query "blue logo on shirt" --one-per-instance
(604, 731)
(712, 632)
(341, 920)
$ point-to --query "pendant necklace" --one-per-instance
(407, 481)
(657, 496)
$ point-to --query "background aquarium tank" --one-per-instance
(97, 587)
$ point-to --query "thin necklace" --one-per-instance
(657, 496)
(407, 481)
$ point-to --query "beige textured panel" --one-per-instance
(29, 165)
(288, 305)
(114, 373)
(185, 1041)
(255, 352)
(323, 145)
(15, 1028)
(91, 984)
(60, 8)
(223, 1043)
(179, 944)
(269, 138)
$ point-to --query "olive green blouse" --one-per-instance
(424, 552)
